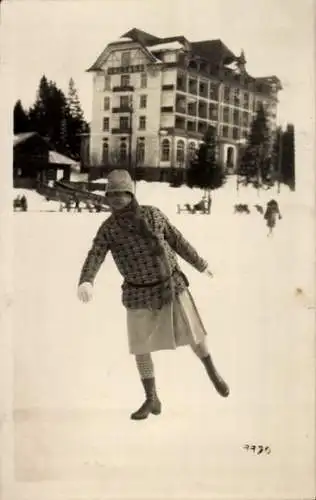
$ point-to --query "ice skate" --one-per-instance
(218, 382)
(152, 405)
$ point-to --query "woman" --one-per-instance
(272, 211)
(161, 313)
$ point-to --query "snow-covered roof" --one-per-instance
(22, 137)
(100, 181)
(123, 39)
(55, 157)
(166, 46)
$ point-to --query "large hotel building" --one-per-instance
(153, 99)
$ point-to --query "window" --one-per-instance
(142, 122)
(143, 80)
(214, 88)
(225, 131)
(107, 82)
(106, 104)
(143, 101)
(165, 150)
(105, 152)
(203, 89)
(236, 117)
(236, 97)
(213, 111)
(235, 133)
(245, 119)
(180, 153)
(124, 101)
(123, 152)
(124, 122)
(191, 150)
(126, 58)
(106, 124)
(192, 108)
(226, 93)
(226, 114)
(140, 151)
(125, 80)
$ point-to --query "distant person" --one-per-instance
(161, 313)
(271, 214)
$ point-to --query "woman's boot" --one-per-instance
(151, 404)
(219, 384)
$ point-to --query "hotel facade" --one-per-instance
(154, 98)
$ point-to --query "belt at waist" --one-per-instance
(159, 282)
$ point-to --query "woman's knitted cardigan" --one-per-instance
(140, 245)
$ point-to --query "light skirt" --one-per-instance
(176, 324)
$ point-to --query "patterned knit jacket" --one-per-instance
(131, 253)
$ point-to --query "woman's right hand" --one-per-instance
(85, 292)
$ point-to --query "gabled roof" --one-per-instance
(22, 137)
(100, 60)
(142, 37)
(57, 158)
(166, 46)
(214, 51)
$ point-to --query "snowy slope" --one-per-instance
(76, 384)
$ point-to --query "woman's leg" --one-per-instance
(202, 352)
(152, 404)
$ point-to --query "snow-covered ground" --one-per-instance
(75, 383)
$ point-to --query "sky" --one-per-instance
(62, 38)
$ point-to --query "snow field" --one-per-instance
(76, 384)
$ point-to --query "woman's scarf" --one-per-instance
(129, 219)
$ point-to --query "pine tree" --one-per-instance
(20, 119)
(205, 171)
(48, 112)
(256, 162)
(288, 157)
(74, 125)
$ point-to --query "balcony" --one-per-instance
(203, 90)
(121, 130)
(168, 87)
(123, 88)
(181, 85)
(166, 109)
(121, 109)
(180, 123)
(202, 127)
(191, 126)
(192, 109)
(192, 87)
(180, 104)
(202, 112)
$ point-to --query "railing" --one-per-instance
(121, 130)
(121, 109)
(168, 87)
(167, 109)
(123, 88)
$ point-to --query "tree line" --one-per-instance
(55, 116)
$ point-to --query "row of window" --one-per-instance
(211, 112)
(124, 123)
(125, 102)
(125, 81)
(210, 90)
(121, 155)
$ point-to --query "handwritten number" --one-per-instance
(257, 449)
